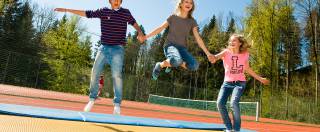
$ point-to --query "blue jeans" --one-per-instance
(112, 55)
(236, 89)
(177, 54)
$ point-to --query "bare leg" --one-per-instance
(184, 65)
(165, 63)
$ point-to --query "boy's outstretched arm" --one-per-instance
(256, 76)
(200, 42)
(77, 12)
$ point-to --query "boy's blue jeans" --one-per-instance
(177, 54)
(112, 55)
(235, 89)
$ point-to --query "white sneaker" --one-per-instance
(116, 109)
(88, 106)
(228, 131)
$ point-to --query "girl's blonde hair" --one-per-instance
(178, 8)
(243, 41)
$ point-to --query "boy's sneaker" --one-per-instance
(227, 130)
(116, 109)
(168, 69)
(88, 106)
(156, 71)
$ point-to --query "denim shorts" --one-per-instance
(178, 54)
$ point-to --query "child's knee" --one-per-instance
(117, 75)
(234, 104)
(220, 104)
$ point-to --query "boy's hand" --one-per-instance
(141, 38)
(60, 9)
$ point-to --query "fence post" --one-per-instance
(257, 112)
(6, 68)
(36, 83)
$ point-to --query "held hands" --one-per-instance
(141, 38)
(211, 58)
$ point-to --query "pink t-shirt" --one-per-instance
(234, 65)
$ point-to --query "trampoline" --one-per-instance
(32, 110)
(68, 115)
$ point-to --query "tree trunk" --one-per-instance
(195, 85)
(272, 54)
(190, 87)
(287, 83)
(316, 58)
(314, 46)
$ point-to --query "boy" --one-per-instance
(114, 23)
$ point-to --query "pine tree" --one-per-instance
(10, 25)
(26, 31)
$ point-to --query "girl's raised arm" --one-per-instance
(158, 30)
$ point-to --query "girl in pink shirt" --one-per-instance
(235, 62)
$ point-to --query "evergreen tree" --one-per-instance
(10, 23)
(207, 28)
(2, 5)
(26, 32)
(231, 27)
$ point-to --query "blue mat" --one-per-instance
(60, 114)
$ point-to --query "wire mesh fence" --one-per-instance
(19, 69)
